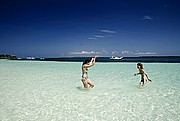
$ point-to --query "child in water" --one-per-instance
(143, 74)
(85, 80)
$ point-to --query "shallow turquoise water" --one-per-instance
(52, 91)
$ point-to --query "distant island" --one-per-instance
(7, 56)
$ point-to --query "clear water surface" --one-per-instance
(53, 91)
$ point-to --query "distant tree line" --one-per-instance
(6, 56)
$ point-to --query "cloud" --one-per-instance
(92, 38)
(84, 53)
(125, 52)
(138, 53)
(147, 18)
(115, 52)
(145, 53)
(95, 37)
(108, 31)
(99, 36)
(105, 52)
(90, 53)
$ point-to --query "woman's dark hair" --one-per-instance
(141, 65)
(86, 61)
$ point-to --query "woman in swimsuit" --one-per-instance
(85, 80)
(143, 74)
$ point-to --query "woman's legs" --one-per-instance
(90, 83)
(87, 82)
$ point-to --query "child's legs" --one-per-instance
(140, 84)
(143, 81)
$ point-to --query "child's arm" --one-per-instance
(137, 73)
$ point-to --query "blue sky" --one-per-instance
(55, 28)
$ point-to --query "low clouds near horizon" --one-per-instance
(106, 53)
